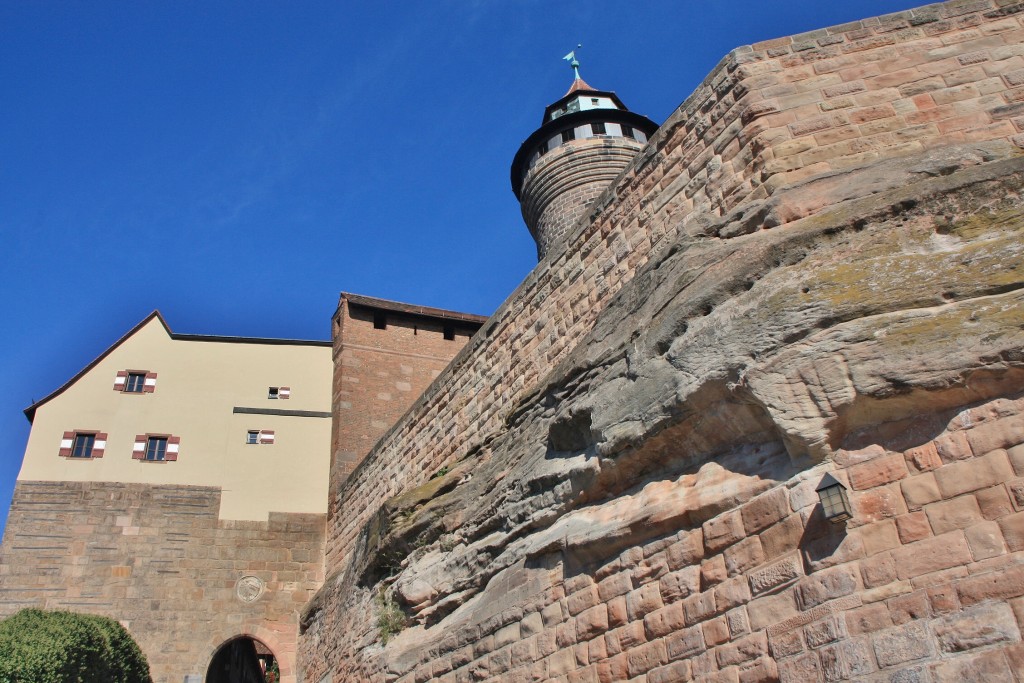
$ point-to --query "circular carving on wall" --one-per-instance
(249, 588)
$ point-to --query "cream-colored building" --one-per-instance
(249, 416)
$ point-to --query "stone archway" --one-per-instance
(243, 659)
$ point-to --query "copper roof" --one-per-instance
(580, 85)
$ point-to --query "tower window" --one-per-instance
(380, 321)
(598, 128)
(627, 131)
(594, 101)
(543, 149)
(568, 135)
(449, 332)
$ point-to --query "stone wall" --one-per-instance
(158, 559)
(379, 373)
(873, 89)
(814, 267)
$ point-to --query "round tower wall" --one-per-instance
(562, 184)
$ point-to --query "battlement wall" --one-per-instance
(790, 113)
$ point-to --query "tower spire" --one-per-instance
(574, 62)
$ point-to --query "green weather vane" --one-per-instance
(573, 62)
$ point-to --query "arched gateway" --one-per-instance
(243, 659)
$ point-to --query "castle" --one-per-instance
(757, 414)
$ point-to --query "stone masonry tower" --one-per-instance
(586, 139)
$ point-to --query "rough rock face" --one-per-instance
(648, 509)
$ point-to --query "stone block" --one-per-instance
(996, 585)
(846, 659)
(593, 622)
(970, 475)
(673, 673)
(679, 584)
(1012, 527)
(997, 434)
(931, 555)
(994, 502)
(824, 631)
(761, 670)
(879, 471)
(913, 526)
(879, 537)
(783, 537)
(664, 621)
(614, 585)
(713, 571)
(771, 609)
(868, 619)
(920, 490)
(1016, 456)
(978, 626)
(878, 503)
(746, 649)
(985, 540)
(878, 570)
(988, 667)
(685, 643)
(775, 575)
(949, 515)
(799, 669)
(699, 607)
(903, 644)
(716, 632)
(722, 531)
(786, 643)
(744, 555)
(826, 585)
(643, 601)
(688, 550)
(909, 607)
(646, 657)
(924, 458)
(765, 510)
(953, 446)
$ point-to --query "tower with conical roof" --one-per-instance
(586, 139)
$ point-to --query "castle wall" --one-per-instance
(378, 373)
(158, 559)
(769, 115)
(813, 267)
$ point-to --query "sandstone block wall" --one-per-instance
(560, 187)
(633, 440)
(378, 373)
(874, 89)
(158, 559)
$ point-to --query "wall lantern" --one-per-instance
(834, 501)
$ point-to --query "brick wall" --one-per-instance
(766, 117)
(158, 559)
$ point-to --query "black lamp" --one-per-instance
(834, 500)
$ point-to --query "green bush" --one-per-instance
(65, 647)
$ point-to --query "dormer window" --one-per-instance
(627, 131)
(594, 101)
(598, 128)
(568, 135)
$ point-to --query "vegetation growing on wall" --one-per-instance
(57, 647)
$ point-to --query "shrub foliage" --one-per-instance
(66, 647)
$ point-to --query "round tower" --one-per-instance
(587, 137)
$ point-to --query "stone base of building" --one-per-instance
(158, 559)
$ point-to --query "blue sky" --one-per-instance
(238, 164)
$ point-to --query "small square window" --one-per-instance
(252, 436)
(568, 135)
(627, 131)
(380, 321)
(598, 128)
(135, 382)
(83, 445)
(156, 448)
(273, 392)
(449, 332)
(543, 149)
